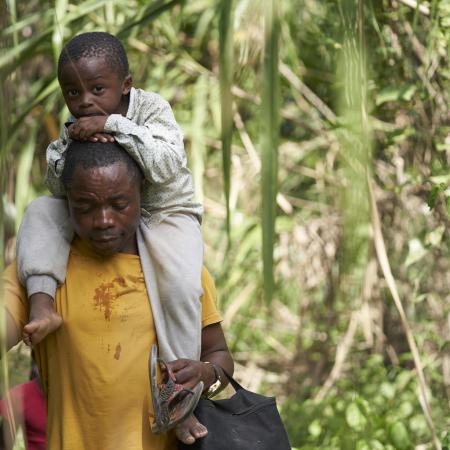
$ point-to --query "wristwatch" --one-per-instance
(215, 387)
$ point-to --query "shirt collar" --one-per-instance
(131, 104)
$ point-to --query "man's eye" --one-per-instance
(82, 209)
(72, 92)
(120, 206)
(98, 89)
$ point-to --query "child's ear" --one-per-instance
(127, 84)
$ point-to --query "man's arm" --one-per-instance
(215, 351)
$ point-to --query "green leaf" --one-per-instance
(153, 10)
(354, 417)
(434, 237)
(434, 193)
(393, 93)
(314, 428)
(399, 436)
(416, 252)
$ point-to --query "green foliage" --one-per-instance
(377, 410)
(386, 61)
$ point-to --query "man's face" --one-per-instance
(91, 88)
(104, 205)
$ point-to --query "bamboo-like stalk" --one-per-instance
(4, 374)
(270, 119)
(198, 148)
(355, 144)
(225, 82)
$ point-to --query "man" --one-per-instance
(94, 368)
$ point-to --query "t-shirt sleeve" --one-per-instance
(15, 298)
(210, 314)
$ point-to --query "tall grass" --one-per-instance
(270, 122)
(357, 192)
(226, 80)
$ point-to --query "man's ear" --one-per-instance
(127, 84)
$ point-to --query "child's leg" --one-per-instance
(176, 249)
(43, 246)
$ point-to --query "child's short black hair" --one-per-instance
(95, 44)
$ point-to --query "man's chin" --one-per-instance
(106, 248)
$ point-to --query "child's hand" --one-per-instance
(101, 137)
(86, 128)
(189, 372)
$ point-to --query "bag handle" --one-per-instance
(232, 381)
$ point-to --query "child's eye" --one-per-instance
(98, 89)
(72, 92)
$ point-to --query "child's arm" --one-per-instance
(156, 143)
(57, 149)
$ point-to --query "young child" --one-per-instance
(94, 77)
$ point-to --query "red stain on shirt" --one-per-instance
(103, 298)
(120, 281)
(118, 350)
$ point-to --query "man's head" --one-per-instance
(103, 185)
(94, 75)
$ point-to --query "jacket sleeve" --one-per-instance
(55, 163)
(156, 144)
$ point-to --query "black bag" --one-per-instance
(246, 421)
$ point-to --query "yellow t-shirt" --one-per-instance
(94, 369)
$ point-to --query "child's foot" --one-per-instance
(43, 319)
(190, 430)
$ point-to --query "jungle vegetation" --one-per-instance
(318, 136)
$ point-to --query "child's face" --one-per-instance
(91, 88)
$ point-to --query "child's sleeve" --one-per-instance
(55, 163)
(156, 143)
(43, 245)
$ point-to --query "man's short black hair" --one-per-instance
(90, 155)
(96, 44)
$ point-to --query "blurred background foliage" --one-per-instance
(363, 92)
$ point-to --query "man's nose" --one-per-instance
(103, 219)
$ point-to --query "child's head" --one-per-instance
(94, 76)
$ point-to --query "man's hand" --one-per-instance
(189, 373)
(90, 129)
